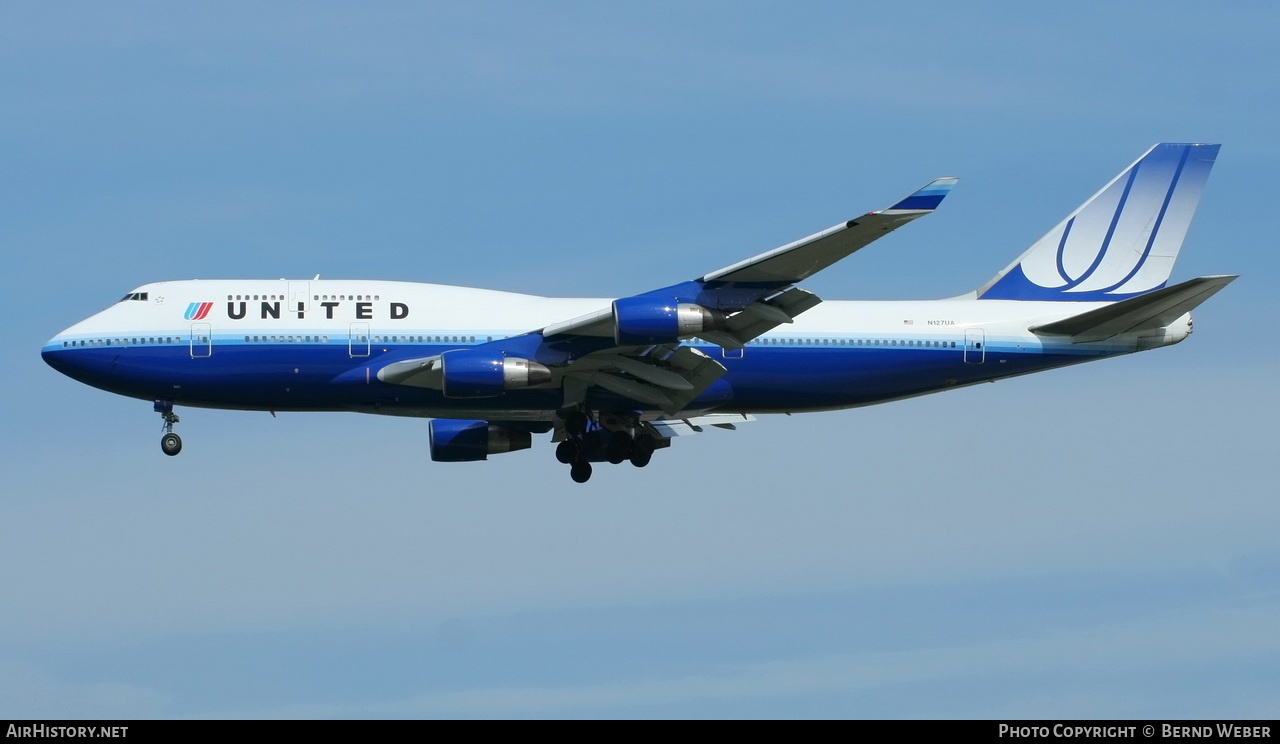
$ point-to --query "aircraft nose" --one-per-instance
(79, 363)
(58, 356)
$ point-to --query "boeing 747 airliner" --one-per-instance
(615, 379)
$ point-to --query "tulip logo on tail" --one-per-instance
(1120, 243)
(198, 310)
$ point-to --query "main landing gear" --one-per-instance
(170, 443)
(610, 440)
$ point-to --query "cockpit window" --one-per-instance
(136, 296)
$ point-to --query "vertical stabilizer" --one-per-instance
(1120, 243)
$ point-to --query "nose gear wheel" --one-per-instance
(170, 443)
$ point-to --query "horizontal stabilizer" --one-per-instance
(1144, 312)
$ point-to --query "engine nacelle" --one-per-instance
(644, 320)
(455, 440)
(482, 373)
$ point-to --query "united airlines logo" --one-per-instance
(1123, 241)
(272, 309)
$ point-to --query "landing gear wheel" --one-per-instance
(567, 451)
(642, 451)
(171, 444)
(580, 472)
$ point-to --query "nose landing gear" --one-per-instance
(170, 443)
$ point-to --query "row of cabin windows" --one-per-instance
(281, 297)
(429, 339)
(922, 344)
(122, 341)
(472, 339)
(376, 339)
(266, 339)
(286, 339)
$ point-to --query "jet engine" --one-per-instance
(645, 320)
(457, 440)
(480, 373)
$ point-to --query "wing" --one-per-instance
(774, 271)
(634, 348)
(804, 258)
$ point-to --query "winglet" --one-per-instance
(926, 199)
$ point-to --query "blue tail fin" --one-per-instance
(1120, 243)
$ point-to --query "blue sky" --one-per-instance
(1092, 542)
